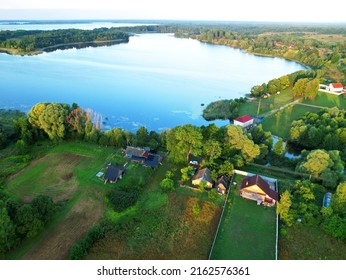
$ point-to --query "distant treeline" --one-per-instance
(36, 40)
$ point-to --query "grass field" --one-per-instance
(328, 100)
(279, 124)
(304, 242)
(159, 226)
(267, 104)
(247, 231)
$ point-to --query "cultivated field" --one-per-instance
(247, 231)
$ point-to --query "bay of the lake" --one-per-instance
(155, 80)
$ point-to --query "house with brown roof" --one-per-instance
(256, 188)
(244, 121)
(203, 175)
(222, 184)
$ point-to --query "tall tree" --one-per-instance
(284, 206)
(52, 120)
(183, 141)
(212, 150)
(238, 140)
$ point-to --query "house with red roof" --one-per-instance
(336, 87)
(257, 189)
(244, 121)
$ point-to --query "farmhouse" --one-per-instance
(143, 156)
(256, 188)
(336, 87)
(244, 121)
(114, 173)
(203, 175)
(222, 185)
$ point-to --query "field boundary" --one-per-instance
(223, 210)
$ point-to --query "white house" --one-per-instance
(336, 87)
(244, 121)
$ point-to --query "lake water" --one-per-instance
(155, 80)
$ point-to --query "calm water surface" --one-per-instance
(155, 80)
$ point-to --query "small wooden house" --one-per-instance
(222, 185)
(203, 175)
(114, 173)
(256, 188)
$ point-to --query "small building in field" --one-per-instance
(244, 121)
(336, 87)
(114, 173)
(222, 185)
(256, 188)
(203, 175)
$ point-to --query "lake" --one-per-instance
(155, 80)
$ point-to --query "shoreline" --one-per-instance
(56, 47)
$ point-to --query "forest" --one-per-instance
(36, 40)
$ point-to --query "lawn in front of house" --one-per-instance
(247, 231)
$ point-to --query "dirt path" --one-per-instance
(272, 112)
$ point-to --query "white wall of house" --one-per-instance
(245, 124)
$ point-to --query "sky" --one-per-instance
(217, 10)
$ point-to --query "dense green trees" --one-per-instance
(19, 221)
(34, 40)
(182, 141)
(237, 141)
(223, 109)
(325, 129)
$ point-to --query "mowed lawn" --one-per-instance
(325, 99)
(279, 124)
(247, 231)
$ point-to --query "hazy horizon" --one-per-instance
(179, 10)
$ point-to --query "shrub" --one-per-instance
(121, 200)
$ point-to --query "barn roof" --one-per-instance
(337, 85)
(244, 119)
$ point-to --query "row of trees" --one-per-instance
(304, 84)
(212, 143)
